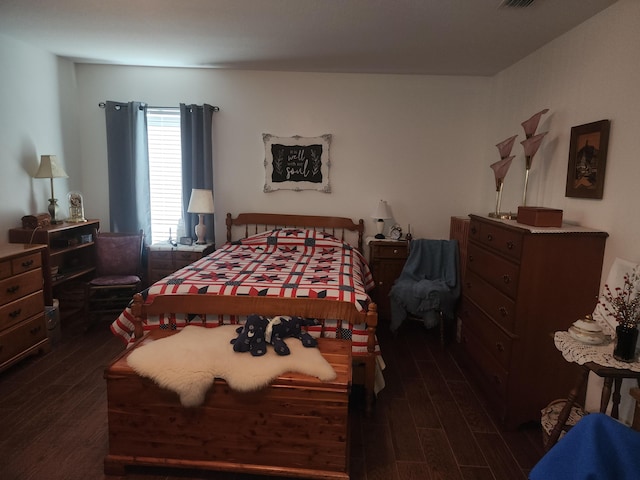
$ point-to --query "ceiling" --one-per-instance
(439, 37)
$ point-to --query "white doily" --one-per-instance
(581, 353)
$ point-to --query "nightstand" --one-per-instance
(164, 258)
(386, 259)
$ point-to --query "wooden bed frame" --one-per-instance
(250, 224)
(297, 427)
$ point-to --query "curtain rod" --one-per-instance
(104, 105)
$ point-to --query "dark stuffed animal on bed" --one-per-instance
(259, 331)
(281, 327)
(251, 336)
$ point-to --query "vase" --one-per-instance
(626, 338)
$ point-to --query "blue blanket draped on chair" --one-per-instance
(428, 283)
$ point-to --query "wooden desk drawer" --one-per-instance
(499, 272)
(20, 285)
(21, 309)
(21, 337)
(491, 301)
(26, 263)
(495, 340)
(507, 242)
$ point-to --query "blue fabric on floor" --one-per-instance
(597, 448)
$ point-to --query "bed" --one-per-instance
(288, 265)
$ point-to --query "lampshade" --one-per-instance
(382, 212)
(49, 168)
(201, 201)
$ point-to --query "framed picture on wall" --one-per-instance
(296, 163)
(587, 160)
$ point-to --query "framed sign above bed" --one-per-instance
(296, 163)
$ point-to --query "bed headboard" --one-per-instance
(259, 222)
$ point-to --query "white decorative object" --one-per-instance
(76, 208)
(201, 202)
(296, 163)
(381, 214)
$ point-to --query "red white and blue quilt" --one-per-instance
(286, 262)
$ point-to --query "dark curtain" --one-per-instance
(128, 158)
(196, 122)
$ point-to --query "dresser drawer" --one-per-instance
(21, 337)
(508, 242)
(495, 340)
(21, 309)
(26, 263)
(493, 377)
(5, 269)
(20, 285)
(399, 251)
(490, 300)
(161, 260)
(499, 272)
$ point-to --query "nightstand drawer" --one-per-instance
(182, 259)
(21, 309)
(399, 251)
(20, 285)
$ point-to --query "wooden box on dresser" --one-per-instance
(23, 330)
(386, 258)
(522, 284)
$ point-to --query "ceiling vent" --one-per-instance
(516, 3)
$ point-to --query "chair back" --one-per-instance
(119, 253)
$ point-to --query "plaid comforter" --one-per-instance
(280, 263)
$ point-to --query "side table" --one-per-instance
(599, 360)
(387, 258)
(165, 258)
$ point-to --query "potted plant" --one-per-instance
(623, 303)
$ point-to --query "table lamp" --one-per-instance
(50, 169)
(381, 214)
(201, 202)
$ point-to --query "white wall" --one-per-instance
(411, 140)
(589, 74)
(37, 117)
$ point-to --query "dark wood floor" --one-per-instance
(428, 422)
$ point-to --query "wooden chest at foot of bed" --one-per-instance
(297, 427)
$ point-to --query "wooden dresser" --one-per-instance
(23, 330)
(164, 258)
(386, 258)
(522, 284)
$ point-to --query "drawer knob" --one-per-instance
(506, 279)
(468, 285)
(510, 245)
(496, 379)
(503, 311)
(490, 237)
(395, 251)
(474, 230)
(13, 289)
(15, 313)
(499, 347)
(27, 263)
(471, 258)
(34, 330)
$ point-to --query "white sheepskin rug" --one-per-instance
(189, 361)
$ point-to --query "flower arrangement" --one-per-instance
(624, 302)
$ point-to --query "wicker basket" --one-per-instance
(550, 416)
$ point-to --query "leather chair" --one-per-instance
(118, 273)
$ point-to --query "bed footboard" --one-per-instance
(242, 306)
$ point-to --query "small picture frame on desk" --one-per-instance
(186, 241)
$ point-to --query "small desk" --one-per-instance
(599, 360)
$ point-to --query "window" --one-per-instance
(165, 172)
